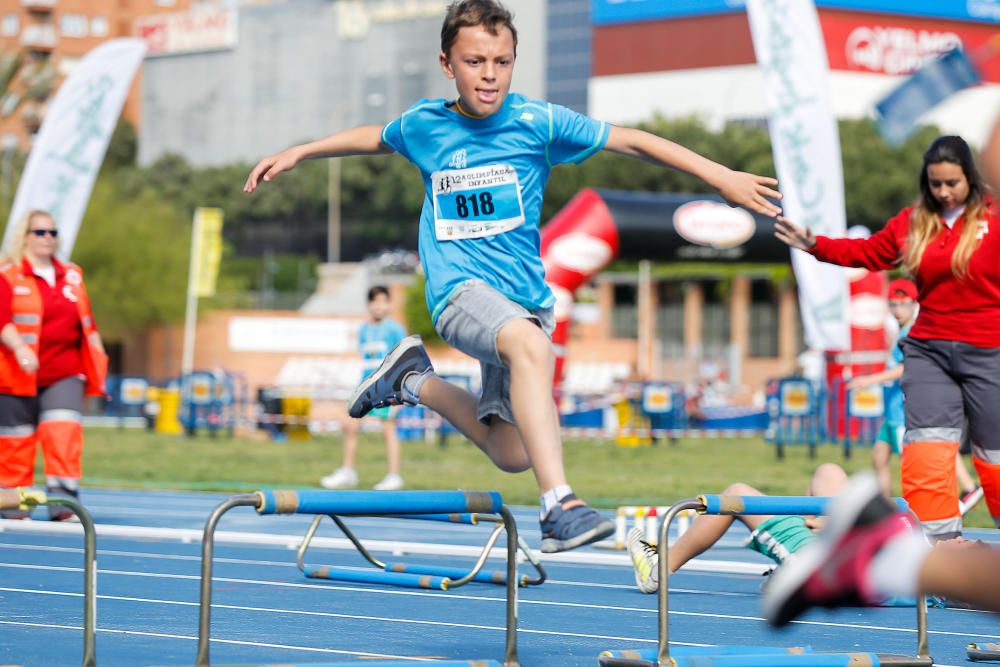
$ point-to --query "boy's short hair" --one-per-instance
(376, 290)
(489, 14)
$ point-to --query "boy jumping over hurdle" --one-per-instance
(485, 157)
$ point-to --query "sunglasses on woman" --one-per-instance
(54, 233)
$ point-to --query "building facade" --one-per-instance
(41, 41)
(301, 69)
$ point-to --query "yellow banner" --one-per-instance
(208, 235)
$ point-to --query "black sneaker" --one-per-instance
(61, 512)
(571, 524)
(385, 386)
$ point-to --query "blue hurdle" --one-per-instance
(418, 576)
(27, 499)
(460, 506)
(738, 656)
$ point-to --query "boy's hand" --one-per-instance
(793, 235)
(862, 382)
(750, 191)
(270, 167)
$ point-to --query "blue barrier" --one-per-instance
(209, 400)
(363, 503)
(410, 422)
(795, 414)
(664, 404)
(861, 415)
(763, 505)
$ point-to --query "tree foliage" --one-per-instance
(134, 253)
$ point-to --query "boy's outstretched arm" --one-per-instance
(363, 140)
(737, 187)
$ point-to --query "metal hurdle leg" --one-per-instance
(27, 499)
(453, 577)
(662, 593)
(207, 549)
(510, 651)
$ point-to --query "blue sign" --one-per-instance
(929, 85)
(627, 11)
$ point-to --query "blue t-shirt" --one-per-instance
(484, 179)
(894, 409)
(375, 340)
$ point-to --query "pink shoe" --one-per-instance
(832, 571)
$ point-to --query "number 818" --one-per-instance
(481, 204)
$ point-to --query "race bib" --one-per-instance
(476, 202)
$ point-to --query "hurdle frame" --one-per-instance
(473, 574)
(733, 505)
(27, 499)
(287, 502)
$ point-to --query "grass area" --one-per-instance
(605, 475)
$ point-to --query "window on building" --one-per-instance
(670, 314)
(624, 315)
(10, 24)
(715, 321)
(73, 25)
(763, 318)
(376, 99)
(99, 26)
(412, 81)
(67, 64)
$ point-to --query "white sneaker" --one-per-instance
(341, 478)
(391, 482)
(645, 561)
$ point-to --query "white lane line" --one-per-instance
(321, 650)
(333, 587)
(395, 547)
(521, 600)
(215, 640)
(360, 617)
(287, 564)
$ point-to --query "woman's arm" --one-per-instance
(879, 252)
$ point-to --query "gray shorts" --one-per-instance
(470, 322)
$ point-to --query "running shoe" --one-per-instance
(391, 482)
(970, 499)
(341, 478)
(571, 524)
(645, 561)
(385, 386)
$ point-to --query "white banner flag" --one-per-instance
(792, 58)
(70, 146)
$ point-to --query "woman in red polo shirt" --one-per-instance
(949, 241)
(51, 354)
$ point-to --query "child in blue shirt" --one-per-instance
(485, 158)
(376, 338)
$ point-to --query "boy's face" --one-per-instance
(482, 66)
(378, 307)
(902, 309)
